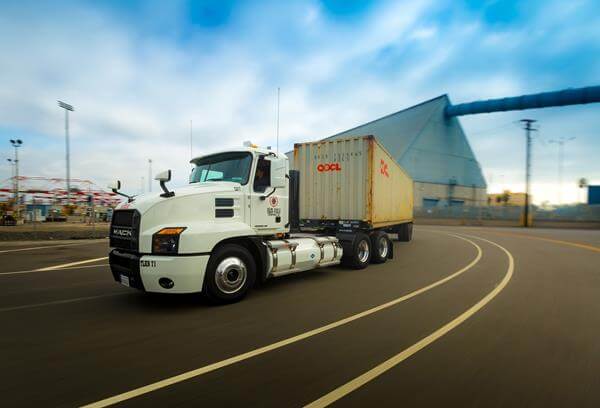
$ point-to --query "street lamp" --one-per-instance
(13, 165)
(16, 144)
(67, 108)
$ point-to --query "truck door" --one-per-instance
(268, 203)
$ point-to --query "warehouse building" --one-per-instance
(434, 150)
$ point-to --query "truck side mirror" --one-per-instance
(278, 172)
(115, 186)
(164, 177)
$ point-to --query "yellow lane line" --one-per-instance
(51, 268)
(556, 241)
(61, 269)
(262, 350)
(59, 302)
(375, 372)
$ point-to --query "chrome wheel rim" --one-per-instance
(363, 251)
(230, 275)
(383, 248)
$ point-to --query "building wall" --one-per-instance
(443, 195)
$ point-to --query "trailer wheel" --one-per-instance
(405, 232)
(381, 245)
(230, 273)
(360, 254)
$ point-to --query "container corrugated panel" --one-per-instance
(352, 179)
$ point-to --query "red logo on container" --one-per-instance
(328, 167)
(383, 169)
(274, 201)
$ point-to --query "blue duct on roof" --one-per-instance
(541, 100)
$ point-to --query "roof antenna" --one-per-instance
(278, 89)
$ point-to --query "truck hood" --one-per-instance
(143, 203)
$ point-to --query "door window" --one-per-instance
(262, 176)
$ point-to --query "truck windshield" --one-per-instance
(233, 166)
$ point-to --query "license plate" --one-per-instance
(125, 280)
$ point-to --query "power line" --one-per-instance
(496, 128)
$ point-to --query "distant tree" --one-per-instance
(506, 197)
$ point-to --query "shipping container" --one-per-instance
(353, 179)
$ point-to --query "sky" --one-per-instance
(143, 74)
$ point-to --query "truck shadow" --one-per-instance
(152, 302)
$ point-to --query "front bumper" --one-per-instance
(144, 271)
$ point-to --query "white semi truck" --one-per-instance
(246, 217)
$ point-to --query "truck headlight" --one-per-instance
(166, 241)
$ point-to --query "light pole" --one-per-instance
(561, 157)
(67, 108)
(16, 144)
(13, 165)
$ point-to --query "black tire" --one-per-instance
(356, 258)
(230, 273)
(405, 232)
(381, 244)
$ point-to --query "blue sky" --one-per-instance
(137, 72)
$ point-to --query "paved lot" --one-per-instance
(465, 327)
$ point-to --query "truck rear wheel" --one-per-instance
(360, 254)
(405, 232)
(230, 273)
(381, 245)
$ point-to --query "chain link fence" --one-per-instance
(584, 216)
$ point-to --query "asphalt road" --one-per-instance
(461, 317)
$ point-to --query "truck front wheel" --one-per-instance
(230, 273)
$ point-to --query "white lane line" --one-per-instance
(51, 268)
(61, 269)
(375, 372)
(58, 302)
(48, 246)
(256, 352)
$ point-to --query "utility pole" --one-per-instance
(528, 129)
(561, 157)
(191, 140)
(149, 175)
(278, 92)
(67, 108)
(16, 144)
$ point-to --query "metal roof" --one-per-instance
(431, 147)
